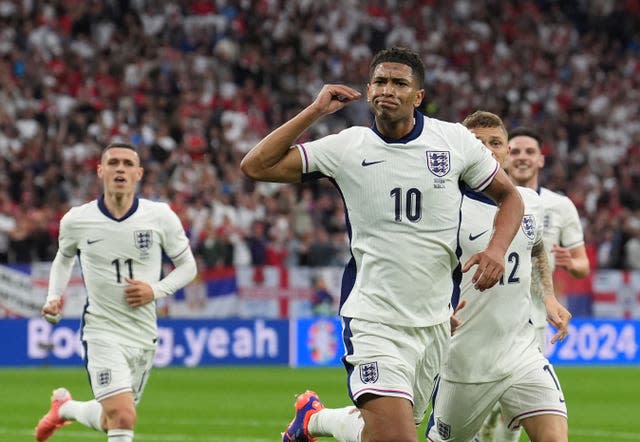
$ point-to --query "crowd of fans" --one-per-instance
(195, 84)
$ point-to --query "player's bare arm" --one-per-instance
(454, 321)
(557, 314)
(272, 159)
(490, 262)
(574, 261)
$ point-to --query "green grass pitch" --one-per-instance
(238, 404)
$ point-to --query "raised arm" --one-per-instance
(507, 221)
(273, 159)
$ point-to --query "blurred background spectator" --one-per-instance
(194, 84)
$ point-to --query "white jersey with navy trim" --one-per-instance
(495, 335)
(402, 201)
(562, 226)
(110, 250)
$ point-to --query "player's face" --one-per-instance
(496, 141)
(393, 92)
(120, 170)
(525, 160)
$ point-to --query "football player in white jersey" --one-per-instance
(400, 183)
(119, 239)
(563, 239)
(493, 356)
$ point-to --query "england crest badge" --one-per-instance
(529, 226)
(143, 239)
(369, 372)
(103, 377)
(438, 162)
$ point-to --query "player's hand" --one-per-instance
(562, 257)
(490, 268)
(52, 311)
(454, 320)
(333, 97)
(558, 316)
(137, 293)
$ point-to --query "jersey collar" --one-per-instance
(103, 208)
(415, 132)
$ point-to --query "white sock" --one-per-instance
(120, 435)
(344, 424)
(488, 430)
(504, 434)
(87, 413)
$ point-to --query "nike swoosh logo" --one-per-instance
(371, 163)
(473, 238)
(94, 241)
(561, 400)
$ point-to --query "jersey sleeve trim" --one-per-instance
(488, 180)
(180, 253)
(305, 159)
(573, 245)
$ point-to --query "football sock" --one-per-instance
(504, 434)
(120, 435)
(488, 430)
(87, 413)
(344, 424)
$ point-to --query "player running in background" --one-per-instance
(400, 182)
(494, 356)
(119, 239)
(563, 239)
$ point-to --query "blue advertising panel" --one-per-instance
(597, 342)
(30, 342)
(590, 341)
(318, 342)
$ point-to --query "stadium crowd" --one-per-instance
(195, 84)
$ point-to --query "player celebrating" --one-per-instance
(494, 356)
(120, 240)
(563, 239)
(400, 182)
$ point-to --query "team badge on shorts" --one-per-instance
(143, 239)
(369, 372)
(103, 377)
(438, 162)
(529, 226)
(444, 430)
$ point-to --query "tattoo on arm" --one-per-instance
(540, 271)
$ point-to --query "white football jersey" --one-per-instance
(495, 335)
(110, 250)
(402, 201)
(562, 226)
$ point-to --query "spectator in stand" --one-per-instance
(257, 242)
(321, 300)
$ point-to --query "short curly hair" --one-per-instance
(403, 56)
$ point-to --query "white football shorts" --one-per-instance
(115, 368)
(386, 360)
(460, 408)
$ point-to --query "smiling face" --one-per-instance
(525, 161)
(495, 139)
(120, 170)
(393, 93)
